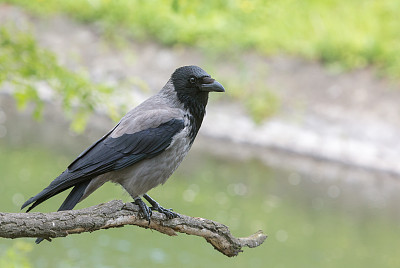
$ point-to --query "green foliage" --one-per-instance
(258, 99)
(262, 105)
(344, 34)
(26, 67)
(15, 256)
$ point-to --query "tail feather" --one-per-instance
(72, 199)
(74, 196)
(63, 182)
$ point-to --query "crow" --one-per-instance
(143, 149)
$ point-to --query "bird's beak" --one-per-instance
(211, 85)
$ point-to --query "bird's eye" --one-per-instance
(192, 80)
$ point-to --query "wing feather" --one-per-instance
(112, 153)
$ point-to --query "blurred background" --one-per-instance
(303, 145)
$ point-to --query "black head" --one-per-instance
(192, 85)
(194, 81)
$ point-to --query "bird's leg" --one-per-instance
(155, 206)
(144, 210)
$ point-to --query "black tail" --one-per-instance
(74, 196)
(63, 182)
(72, 199)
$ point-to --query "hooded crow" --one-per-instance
(144, 148)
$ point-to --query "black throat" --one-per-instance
(196, 106)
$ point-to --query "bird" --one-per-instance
(143, 149)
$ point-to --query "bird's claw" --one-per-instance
(144, 211)
(155, 206)
(167, 212)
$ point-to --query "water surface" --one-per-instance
(310, 221)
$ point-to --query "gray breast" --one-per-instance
(147, 174)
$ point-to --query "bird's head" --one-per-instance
(192, 85)
(192, 81)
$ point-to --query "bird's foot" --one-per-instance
(144, 210)
(167, 212)
(155, 206)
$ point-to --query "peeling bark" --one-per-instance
(117, 214)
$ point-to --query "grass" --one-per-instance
(343, 34)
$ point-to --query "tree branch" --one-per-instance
(117, 214)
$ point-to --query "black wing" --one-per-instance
(109, 154)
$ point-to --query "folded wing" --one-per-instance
(108, 154)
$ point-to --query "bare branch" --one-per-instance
(117, 214)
